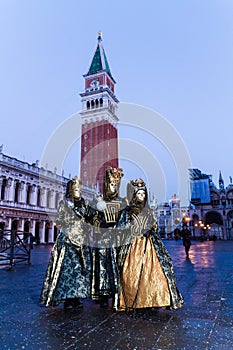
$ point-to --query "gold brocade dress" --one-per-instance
(153, 291)
(146, 271)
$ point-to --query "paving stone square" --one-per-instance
(204, 323)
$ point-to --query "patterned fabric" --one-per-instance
(136, 227)
(105, 276)
(106, 242)
(69, 269)
(167, 266)
(143, 280)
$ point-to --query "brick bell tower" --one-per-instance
(99, 142)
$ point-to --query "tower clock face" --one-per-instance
(94, 83)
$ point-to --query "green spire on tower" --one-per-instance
(99, 62)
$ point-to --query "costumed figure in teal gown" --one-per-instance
(69, 269)
(146, 271)
(103, 214)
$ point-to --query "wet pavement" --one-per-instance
(205, 322)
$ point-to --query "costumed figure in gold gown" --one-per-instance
(146, 269)
(68, 273)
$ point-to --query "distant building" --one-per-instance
(170, 216)
(175, 211)
(163, 214)
(211, 208)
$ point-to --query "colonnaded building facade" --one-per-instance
(30, 196)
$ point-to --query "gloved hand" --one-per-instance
(147, 234)
(69, 203)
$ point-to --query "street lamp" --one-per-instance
(203, 229)
(206, 229)
(186, 219)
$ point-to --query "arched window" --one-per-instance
(88, 104)
(92, 104)
(26, 226)
(26, 230)
(57, 200)
(49, 195)
(29, 189)
(101, 102)
(38, 197)
(37, 232)
(47, 227)
(97, 103)
(14, 225)
(3, 189)
(16, 199)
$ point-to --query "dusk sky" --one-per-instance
(171, 57)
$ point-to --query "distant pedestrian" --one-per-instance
(31, 240)
(186, 236)
(214, 237)
(177, 233)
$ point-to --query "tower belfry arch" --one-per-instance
(99, 140)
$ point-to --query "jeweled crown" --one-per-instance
(114, 174)
(134, 186)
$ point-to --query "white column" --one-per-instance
(42, 232)
(9, 224)
(10, 190)
(33, 227)
(50, 235)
